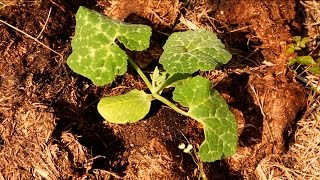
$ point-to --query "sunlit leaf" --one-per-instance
(305, 60)
(210, 109)
(127, 108)
(190, 51)
(95, 53)
(314, 70)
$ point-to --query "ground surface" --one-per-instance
(50, 128)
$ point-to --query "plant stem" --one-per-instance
(155, 94)
(170, 104)
(142, 75)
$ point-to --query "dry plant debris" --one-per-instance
(302, 161)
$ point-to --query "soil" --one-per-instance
(49, 124)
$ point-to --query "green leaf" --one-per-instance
(290, 50)
(292, 61)
(174, 80)
(314, 70)
(127, 108)
(95, 53)
(305, 60)
(190, 51)
(297, 48)
(210, 109)
(304, 41)
(297, 39)
(158, 77)
(162, 80)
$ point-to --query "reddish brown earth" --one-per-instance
(49, 125)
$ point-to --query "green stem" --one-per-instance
(142, 75)
(155, 94)
(170, 104)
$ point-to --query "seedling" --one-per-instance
(97, 56)
(298, 45)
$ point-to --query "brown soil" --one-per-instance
(49, 125)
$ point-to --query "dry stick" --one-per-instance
(45, 24)
(31, 37)
(36, 39)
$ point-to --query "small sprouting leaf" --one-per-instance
(292, 61)
(210, 109)
(314, 70)
(158, 77)
(95, 53)
(127, 108)
(290, 50)
(305, 60)
(297, 39)
(304, 41)
(190, 51)
(162, 80)
(173, 80)
(297, 48)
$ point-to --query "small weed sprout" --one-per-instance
(298, 45)
(311, 66)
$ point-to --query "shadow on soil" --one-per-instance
(237, 87)
(94, 135)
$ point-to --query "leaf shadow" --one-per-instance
(96, 136)
(248, 114)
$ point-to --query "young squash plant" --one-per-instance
(97, 56)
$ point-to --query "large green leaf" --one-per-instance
(127, 108)
(95, 53)
(209, 108)
(190, 51)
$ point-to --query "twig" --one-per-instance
(31, 37)
(45, 24)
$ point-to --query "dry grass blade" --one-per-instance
(31, 37)
(45, 24)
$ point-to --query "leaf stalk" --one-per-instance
(155, 93)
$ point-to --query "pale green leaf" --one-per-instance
(292, 61)
(158, 77)
(314, 70)
(190, 51)
(209, 108)
(297, 39)
(304, 41)
(127, 108)
(172, 81)
(290, 50)
(305, 60)
(95, 53)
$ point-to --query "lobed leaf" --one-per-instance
(190, 51)
(95, 53)
(209, 108)
(127, 108)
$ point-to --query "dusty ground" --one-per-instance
(50, 128)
